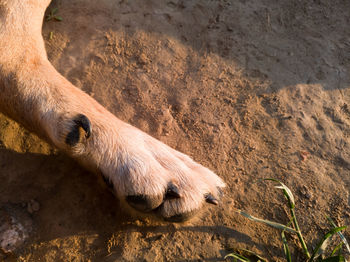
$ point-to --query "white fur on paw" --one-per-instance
(153, 178)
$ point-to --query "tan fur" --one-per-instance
(33, 93)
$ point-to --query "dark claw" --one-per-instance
(83, 122)
(80, 121)
(172, 192)
(211, 200)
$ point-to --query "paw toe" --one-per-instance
(144, 203)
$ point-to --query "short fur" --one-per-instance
(139, 167)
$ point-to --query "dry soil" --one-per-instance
(251, 89)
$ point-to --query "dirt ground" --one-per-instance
(251, 89)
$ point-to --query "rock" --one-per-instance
(15, 226)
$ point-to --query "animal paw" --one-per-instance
(148, 175)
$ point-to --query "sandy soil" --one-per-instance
(252, 89)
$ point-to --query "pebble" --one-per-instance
(15, 226)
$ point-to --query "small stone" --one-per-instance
(304, 155)
(15, 226)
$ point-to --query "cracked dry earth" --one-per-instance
(251, 89)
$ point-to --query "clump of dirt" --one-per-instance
(250, 89)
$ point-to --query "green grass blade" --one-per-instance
(58, 18)
(337, 248)
(267, 222)
(291, 201)
(339, 258)
(325, 237)
(323, 247)
(286, 191)
(239, 257)
(299, 234)
(253, 255)
(54, 10)
(286, 247)
(342, 237)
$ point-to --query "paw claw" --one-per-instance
(83, 122)
(74, 136)
(209, 198)
(172, 192)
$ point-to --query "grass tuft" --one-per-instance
(317, 255)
